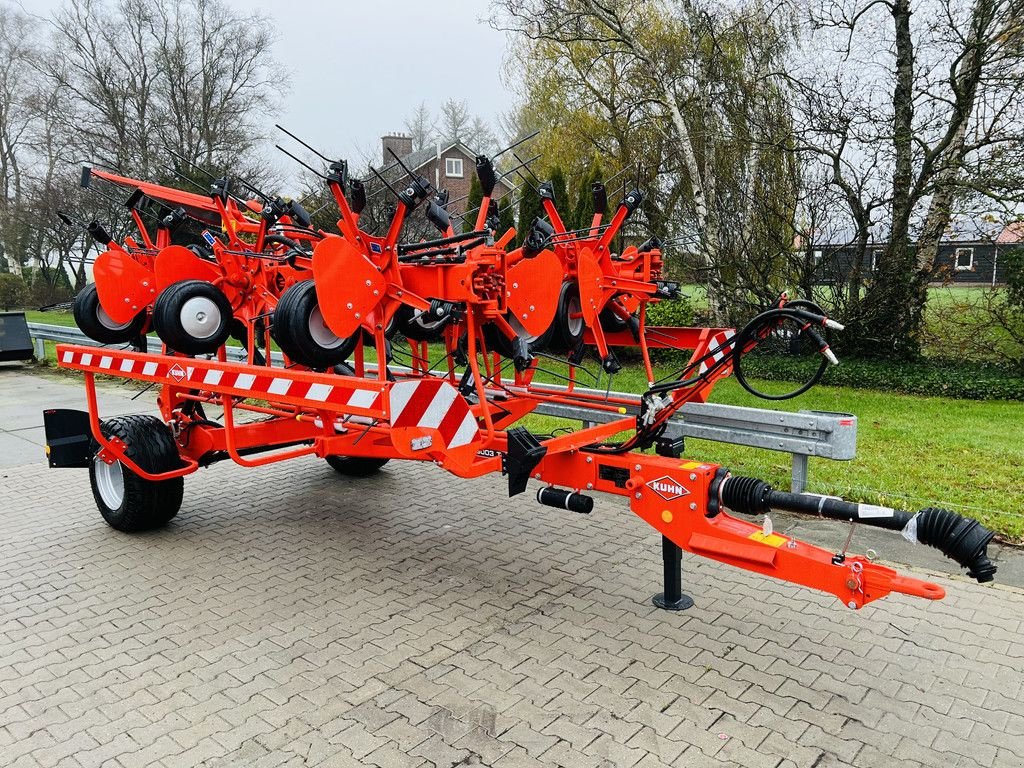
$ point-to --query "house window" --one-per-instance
(874, 259)
(453, 167)
(817, 256)
(964, 259)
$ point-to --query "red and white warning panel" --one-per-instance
(433, 403)
(721, 349)
(342, 394)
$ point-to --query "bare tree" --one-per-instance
(420, 126)
(916, 105)
(455, 120)
(216, 77)
(18, 60)
(148, 75)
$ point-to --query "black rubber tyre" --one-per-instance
(611, 322)
(498, 342)
(568, 330)
(94, 322)
(544, 340)
(408, 323)
(192, 317)
(127, 502)
(355, 466)
(300, 331)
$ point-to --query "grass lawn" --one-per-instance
(912, 451)
(50, 318)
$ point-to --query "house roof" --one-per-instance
(1011, 233)
(961, 229)
(421, 157)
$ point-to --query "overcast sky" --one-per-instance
(358, 69)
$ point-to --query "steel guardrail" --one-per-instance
(802, 434)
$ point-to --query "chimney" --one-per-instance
(398, 143)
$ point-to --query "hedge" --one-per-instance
(962, 380)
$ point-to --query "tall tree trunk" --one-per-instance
(893, 307)
(702, 191)
(965, 87)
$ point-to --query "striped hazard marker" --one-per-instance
(254, 381)
(722, 349)
(432, 403)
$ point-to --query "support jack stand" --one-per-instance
(672, 599)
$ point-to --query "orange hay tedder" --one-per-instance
(342, 305)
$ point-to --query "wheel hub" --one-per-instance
(200, 317)
(320, 333)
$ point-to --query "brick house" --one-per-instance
(447, 165)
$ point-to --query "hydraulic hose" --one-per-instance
(958, 538)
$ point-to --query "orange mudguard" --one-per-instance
(348, 286)
(124, 286)
(533, 286)
(176, 262)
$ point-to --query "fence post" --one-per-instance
(798, 479)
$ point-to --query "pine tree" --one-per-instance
(529, 209)
(476, 196)
(559, 188)
(583, 212)
(506, 216)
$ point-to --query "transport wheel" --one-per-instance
(543, 341)
(568, 325)
(127, 502)
(192, 317)
(500, 343)
(611, 322)
(412, 324)
(299, 329)
(97, 325)
(355, 466)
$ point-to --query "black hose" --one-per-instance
(282, 240)
(958, 538)
(752, 333)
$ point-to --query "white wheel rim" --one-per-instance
(200, 317)
(109, 482)
(106, 321)
(419, 318)
(320, 333)
(575, 324)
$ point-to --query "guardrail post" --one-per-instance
(40, 348)
(798, 478)
(672, 599)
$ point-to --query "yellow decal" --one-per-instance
(690, 465)
(772, 539)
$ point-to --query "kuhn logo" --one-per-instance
(667, 488)
(177, 373)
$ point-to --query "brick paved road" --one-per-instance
(290, 616)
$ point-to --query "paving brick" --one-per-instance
(435, 751)
(327, 621)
